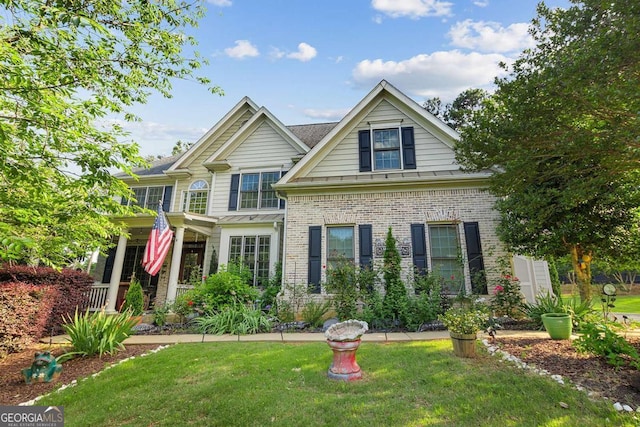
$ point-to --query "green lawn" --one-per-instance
(258, 384)
(623, 303)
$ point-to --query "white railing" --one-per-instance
(182, 289)
(98, 296)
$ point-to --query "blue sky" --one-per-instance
(311, 61)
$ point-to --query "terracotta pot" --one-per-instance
(558, 325)
(464, 345)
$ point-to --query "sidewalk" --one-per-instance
(290, 337)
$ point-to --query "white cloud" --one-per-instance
(490, 36)
(221, 3)
(442, 74)
(481, 3)
(328, 114)
(305, 53)
(414, 9)
(242, 49)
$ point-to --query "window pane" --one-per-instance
(385, 139)
(249, 255)
(235, 249)
(444, 241)
(339, 244)
(198, 185)
(154, 196)
(140, 194)
(249, 191)
(268, 197)
(387, 159)
(198, 202)
(262, 266)
(445, 250)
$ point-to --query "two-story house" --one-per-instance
(255, 190)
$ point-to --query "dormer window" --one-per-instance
(195, 200)
(386, 149)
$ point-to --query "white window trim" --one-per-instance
(383, 125)
(259, 172)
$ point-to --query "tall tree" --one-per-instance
(561, 133)
(67, 68)
(457, 113)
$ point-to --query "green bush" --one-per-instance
(314, 313)
(601, 340)
(545, 303)
(98, 333)
(216, 292)
(429, 301)
(395, 302)
(236, 319)
(507, 299)
(134, 298)
(342, 283)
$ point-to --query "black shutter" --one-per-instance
(108, 265)
(419, 247)
(282, 201)
(408, 148)
(474, 255)
(315, 258)
(234, 191)
(166, 198)
(364, 144)
(366, 245)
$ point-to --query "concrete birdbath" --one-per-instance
(344, 340)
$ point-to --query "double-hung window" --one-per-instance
(386, 149)
(340, 245)
(445, 255)
(256, 191)
(146, 197)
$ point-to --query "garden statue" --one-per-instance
(344, 340)
(44, 368)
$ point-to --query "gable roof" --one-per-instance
(444, 133)
(311, 134)
(249, 127)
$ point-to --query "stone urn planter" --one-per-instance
(558, 325)
(344, 339)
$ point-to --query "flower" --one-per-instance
(497, 289)
(465, 320)
(190, 303)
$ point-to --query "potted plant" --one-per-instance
(134, 299)
(558, 325)
(464, 323)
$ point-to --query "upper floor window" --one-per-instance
(386, 148)
(195, 200)
(256, 191)
(146, 197)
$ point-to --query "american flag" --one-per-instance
(158, 244)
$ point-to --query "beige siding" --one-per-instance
(431, 154)
(265, 148)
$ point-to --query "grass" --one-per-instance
(257, 384)
(623, 303)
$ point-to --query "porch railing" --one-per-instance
(182, 289)
(98, 296)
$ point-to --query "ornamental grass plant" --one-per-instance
(98, 333)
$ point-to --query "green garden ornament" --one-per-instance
(44, 368)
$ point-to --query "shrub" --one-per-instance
(465, 319)
(314, 312)
(342, 283)
(429, 302)
(71, 287)
(601, 340)
(222, 289)
(507, 299)
(25, 310)
(545, 303)
(134, 298)
(237, 319)
(395, 302)
(98, 333)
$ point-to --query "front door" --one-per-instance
(191, 263)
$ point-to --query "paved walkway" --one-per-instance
(306, 337)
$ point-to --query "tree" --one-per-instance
(561, 134)
(68, 68)
(396, 302)
(457, 113)
(180, 147)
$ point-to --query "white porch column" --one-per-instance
(174, 272)
(112, 295)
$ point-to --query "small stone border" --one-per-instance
(504, 356)
(75, 382)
